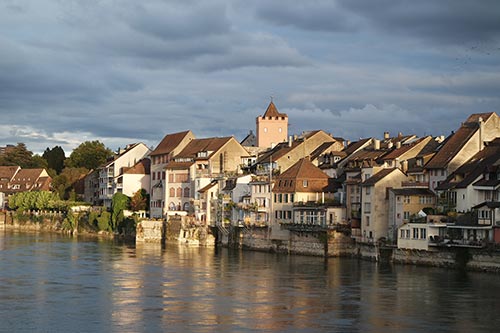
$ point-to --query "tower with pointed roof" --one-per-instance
(272, 127)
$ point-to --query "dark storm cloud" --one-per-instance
(309, 15)
(180, 22)
(131, 71)
(447, 21)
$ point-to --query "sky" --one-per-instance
(125, 71)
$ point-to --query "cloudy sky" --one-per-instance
(124, 71)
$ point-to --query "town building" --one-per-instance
(14, 179)
(163, 154)
(304, 198)
(196, 166)
(375, 203)
(272, 127)
(110, 171)
(461, 145)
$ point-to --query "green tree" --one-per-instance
(89, 155)
(140, 200)
(119, 203)
(40, 200)
(55, 158)
(65, 181)
(17, 155)
(38, 161)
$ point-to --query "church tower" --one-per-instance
(272, 127)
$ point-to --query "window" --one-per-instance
(265, 129)
(186, 192)
(423, 233)
(154, 176)
(280, 197)
(179, 192)
(172, 192)
(367, 190)
(292, 197)
(367, 207)
(406, 215)
(406, 199)
(304, 183)
(402, 235)
(367, 221)
(408, 233)
(285, 199)
(415, 233)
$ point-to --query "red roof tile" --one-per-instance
(169, 142)
(272, 111)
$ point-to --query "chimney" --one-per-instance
(398, 144)
(376, 144)
(481, 133)
(389, 144)
(386, 136)
(290, 141)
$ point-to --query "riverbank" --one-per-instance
(320, 244)
(53, 223)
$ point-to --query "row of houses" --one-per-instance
(14, 179)
(416, 192)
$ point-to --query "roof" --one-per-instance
(412, 191)
(470, 171)
(169, 142)
(398, 152)
(30, 179)
(489, 204)
(272, 111)
(211, 145)
(207, 187)
(321, 148)
(378, 177)
(7, 172)
(352, 147)
(250, 140)
(454, 143)
(143, 167)
(292, 179)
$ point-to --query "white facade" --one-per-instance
(108, 173)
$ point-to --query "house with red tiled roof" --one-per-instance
(194, 167)
(135, 178)
(272, 127)
(163, 154)
(462, 145)
(13, 179)
(7, 174)
(304, 198)
(312, 144)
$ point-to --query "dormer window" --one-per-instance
(304, 183)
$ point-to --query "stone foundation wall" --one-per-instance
(150, 231)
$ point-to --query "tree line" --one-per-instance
(65, 171)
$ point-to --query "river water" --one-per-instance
(53, 283)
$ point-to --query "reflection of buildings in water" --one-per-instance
(127, 291)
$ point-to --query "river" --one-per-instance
(53, 283)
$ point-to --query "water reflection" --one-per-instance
(55, 283)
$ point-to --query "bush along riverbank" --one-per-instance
(88, 221)
(44, 211)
